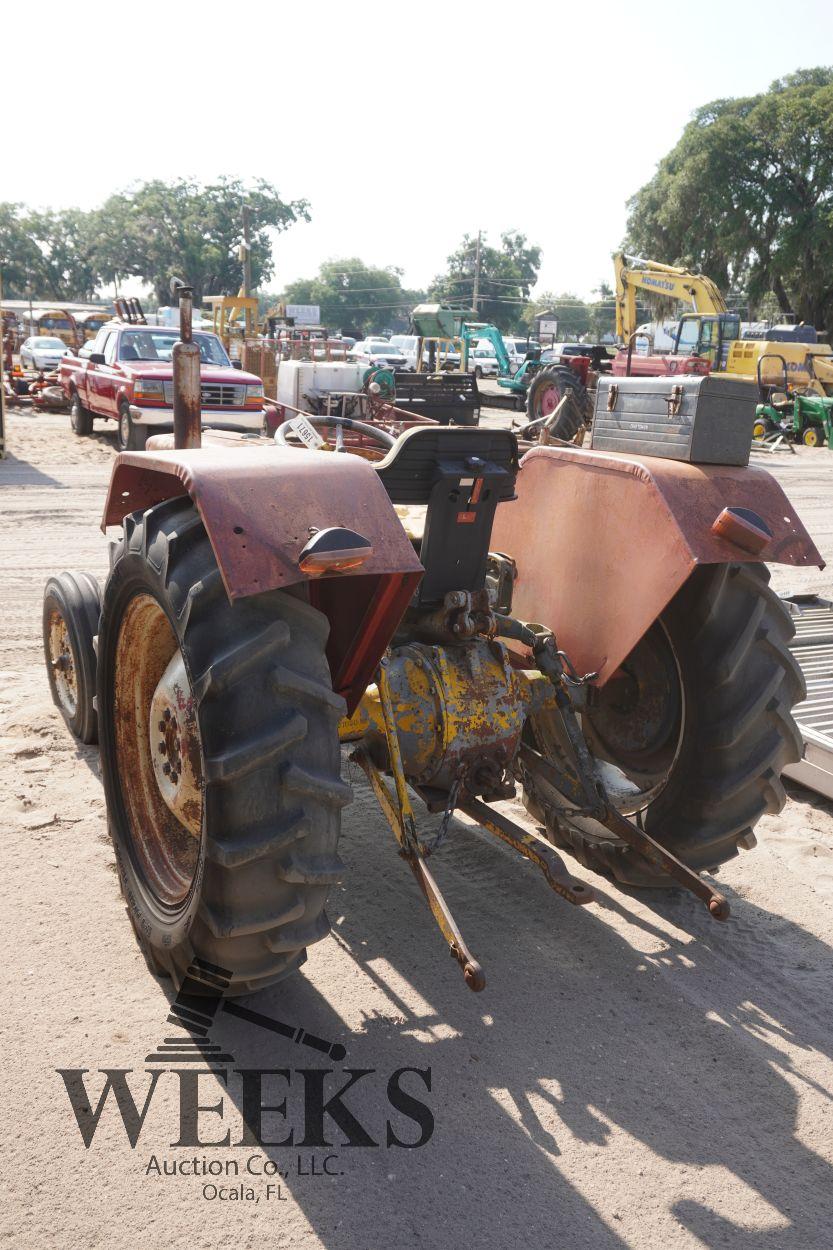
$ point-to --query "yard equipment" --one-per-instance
(534, 387)
(709, 338)
(266, 604)
(805, 417)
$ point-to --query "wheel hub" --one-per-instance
(63, 666)
(550, 400)
(175, 745)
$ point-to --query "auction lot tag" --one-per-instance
(307, 432)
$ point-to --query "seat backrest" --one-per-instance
(461, 473)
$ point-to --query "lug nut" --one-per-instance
(163, 747)
(166, 768)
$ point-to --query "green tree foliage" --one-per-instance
(353, 295)
(53, 250)
(193, 231)
(747, 197)
(152, 232)
(507, 275)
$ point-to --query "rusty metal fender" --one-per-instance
(604, 541)
(259, 504)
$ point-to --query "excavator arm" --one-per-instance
(671, 281)
(478, 332)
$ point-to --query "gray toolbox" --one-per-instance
(812, 647)
(705, 419)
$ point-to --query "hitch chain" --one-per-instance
(428, 848)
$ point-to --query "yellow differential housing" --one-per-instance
(459, 708)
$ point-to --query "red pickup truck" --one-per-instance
(126, 375)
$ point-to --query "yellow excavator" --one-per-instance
(708, 339)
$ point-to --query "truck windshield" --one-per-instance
(158, 345)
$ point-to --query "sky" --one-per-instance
(405, 126)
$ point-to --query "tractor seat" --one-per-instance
(445, 483)
(424, 454)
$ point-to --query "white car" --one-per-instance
(377, 352)
(408, 345)
(483, 362)
(517, 350)
(42, 353)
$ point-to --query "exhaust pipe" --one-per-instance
(186, 362)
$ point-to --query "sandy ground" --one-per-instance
(634, 1075)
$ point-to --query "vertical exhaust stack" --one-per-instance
(186, 361)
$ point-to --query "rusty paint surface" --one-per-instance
(259, 507)
(603, 542)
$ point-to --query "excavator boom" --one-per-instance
(635, 274)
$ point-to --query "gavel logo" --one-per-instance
(200, 998)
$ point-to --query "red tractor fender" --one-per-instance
(604, 541)
(260, 505)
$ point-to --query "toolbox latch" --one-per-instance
(674, 400)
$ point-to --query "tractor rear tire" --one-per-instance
(80, 418)
(558, 379)
(246, 888)
(724, 640)
(71, 608)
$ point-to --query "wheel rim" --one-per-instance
(811, 438)
(636, 720)
(124, 427)
(548, 400)
(62, 663)
(159, 752)
(758, 429)
(73, 414)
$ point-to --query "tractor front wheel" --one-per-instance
(71, 606)
(696, 722)
(546, 391)
(220, 757)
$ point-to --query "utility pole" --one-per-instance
(476, 293)
(247, 253)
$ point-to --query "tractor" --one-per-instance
(804, 416)
(268, 605)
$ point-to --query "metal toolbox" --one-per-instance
(704, 419)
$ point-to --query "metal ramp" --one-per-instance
(813, 649)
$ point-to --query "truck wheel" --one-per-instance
(80, 418)
(71, 607)
(131, 437)
(547, 389)
(220, 757)
(698, 718)
(812, 436)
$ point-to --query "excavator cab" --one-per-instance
(708, 336)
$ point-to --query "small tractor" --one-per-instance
(804, 417)
(435, 606)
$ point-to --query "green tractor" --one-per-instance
(805, 418)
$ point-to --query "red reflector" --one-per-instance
(317, 563)
(466, 518)
(334, 550)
